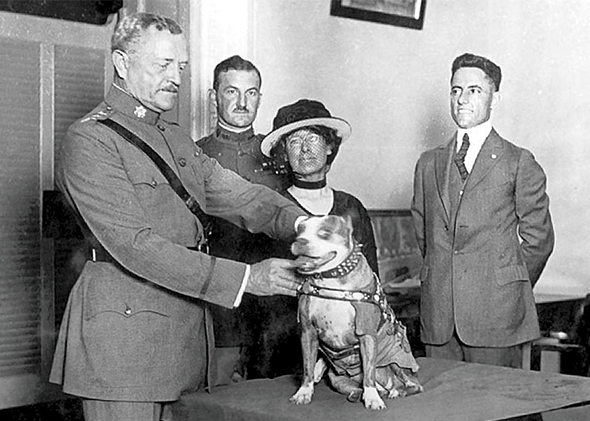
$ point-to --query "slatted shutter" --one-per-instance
(79, 85)
(78, 78)
(20, 256)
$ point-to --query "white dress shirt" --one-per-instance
(477, 136)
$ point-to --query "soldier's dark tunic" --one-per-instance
(240, 152)
(255, 325)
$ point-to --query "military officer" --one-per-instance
(236, 97)
(136, 333)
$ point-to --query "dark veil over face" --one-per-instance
(330, 136)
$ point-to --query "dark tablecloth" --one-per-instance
(453, 391)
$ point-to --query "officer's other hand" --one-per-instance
(272, 277)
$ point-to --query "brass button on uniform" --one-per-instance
(154, 183)
(127, 311)
(161, 127)
(182, 162)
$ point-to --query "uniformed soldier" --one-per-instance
(236, 97)
(136, 330)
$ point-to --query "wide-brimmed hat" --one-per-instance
(303, 113)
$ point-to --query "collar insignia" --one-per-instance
(140, 111)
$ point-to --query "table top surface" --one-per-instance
(540, 297)
(452, 391)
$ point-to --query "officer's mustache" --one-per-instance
(241, 109)
(171, 88)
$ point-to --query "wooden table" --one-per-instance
(452, 391)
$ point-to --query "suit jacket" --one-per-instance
(134, 327)
(478, 274)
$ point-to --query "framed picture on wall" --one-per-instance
(407, 13)
(398, 255)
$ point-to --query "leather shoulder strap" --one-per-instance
(170, 175)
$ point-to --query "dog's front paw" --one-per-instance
(372, 399)
(303, 395)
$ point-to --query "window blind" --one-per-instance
(20, 258)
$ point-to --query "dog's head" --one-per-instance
(322, 243)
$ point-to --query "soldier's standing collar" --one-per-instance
(227, 136)
(124, 103)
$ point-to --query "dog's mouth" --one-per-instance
(310, 264)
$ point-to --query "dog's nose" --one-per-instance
(301, 241)
(299, 245)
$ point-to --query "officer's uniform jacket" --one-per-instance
(484, 248)
(240, 152)
(134, 327)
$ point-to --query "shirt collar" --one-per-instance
(123, 102)
(477, 134)
(229, 128)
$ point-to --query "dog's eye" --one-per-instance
(324, 235)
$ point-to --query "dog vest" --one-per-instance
(369, 303)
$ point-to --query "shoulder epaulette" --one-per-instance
(99, 115)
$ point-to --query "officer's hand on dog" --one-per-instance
(272, 277)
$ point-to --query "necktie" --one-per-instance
(460, 157)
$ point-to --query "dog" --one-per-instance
(344, 313)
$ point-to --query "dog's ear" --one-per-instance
(348, 224)
(348, 219)
(350, 229)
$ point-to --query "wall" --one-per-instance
(391, 83)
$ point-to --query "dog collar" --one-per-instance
(343, 268)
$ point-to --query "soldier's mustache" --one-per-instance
(171, 88)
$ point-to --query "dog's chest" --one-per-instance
(334, 321)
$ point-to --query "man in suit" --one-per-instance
(236, 96)
(137, 331)
(484, 229)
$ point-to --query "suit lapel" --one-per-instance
(442, 163)
(490, 153)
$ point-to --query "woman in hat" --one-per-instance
(305, 140)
